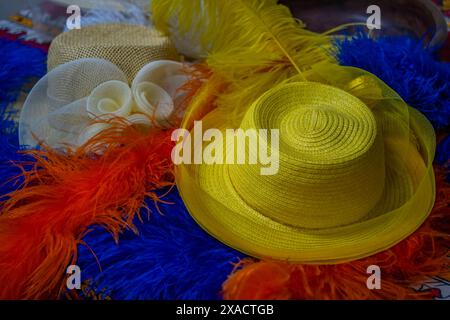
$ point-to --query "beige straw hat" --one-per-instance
(130, 47)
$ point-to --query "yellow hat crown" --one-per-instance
(331, 157)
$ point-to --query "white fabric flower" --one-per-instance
(62, 108)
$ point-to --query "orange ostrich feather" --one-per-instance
(104, 182)
(424, 254)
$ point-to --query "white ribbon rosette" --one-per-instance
(64, 107)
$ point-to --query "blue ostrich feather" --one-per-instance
(171, 258)
(20, 65)
(407, 67)
(10, 156)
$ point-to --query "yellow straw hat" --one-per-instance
(130, 47)
(355, 173)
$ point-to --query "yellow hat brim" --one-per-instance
(236, 224)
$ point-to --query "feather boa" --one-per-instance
(64, 193)
(403, 63)
(171, 258)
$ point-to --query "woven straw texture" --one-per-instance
(355, 174)
(130, 47)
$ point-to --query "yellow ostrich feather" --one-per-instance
(252, 44)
